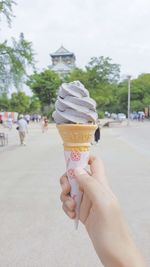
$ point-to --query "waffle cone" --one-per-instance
(76, 137)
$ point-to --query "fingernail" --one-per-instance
(79, 171)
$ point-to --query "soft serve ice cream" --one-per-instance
(75, 116)
(73, 105)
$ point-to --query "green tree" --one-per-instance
(16, 56)
(4, 102)
(140, 93)
(14, 60)
(77, 74)
(20, 102)
(102, 70)
(6, 10)
(45, 85)
(122, 96)
(35, 105)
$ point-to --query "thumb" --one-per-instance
(88, 184)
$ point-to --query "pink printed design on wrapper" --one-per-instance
(70, 174)
(75, 159)
(75, 156)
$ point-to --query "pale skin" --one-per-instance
(102, 217)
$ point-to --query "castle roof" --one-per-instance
(62, 51)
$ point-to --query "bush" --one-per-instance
(101, 114)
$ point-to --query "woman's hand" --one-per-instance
(101, 214)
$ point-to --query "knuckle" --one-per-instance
(62, 178)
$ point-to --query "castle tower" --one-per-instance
(63, 61)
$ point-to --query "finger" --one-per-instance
(63, 179)
(97, 169)
(70, 204)
(85, 208)
(71, 214)
(90, 186)
(96, 166)
(63, 197)
(65, 185)
(68, 201)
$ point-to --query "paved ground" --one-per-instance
(34, 232)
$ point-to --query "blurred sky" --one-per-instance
(119, 29)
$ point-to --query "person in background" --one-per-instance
(22, 129)
(44, 124)
(102, 217)
(39, 117)
(97, 133)
(1, 119)
(27, 117)
(9, 122)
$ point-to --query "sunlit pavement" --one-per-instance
(34, 232)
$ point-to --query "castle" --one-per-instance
(63, 61)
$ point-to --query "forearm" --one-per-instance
(125, 256)
(117, 250)
(101, 214)
(112, 239)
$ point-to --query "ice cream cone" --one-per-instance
(77, 139)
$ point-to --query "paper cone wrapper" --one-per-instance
(77, 139)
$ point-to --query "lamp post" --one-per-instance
(129, 96)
